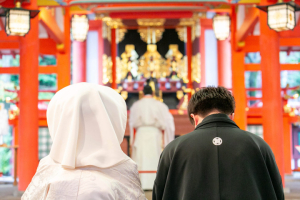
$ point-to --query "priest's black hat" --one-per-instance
(147, 90)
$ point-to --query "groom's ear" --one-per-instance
(231, 116)
(196, 119)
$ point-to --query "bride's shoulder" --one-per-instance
(128, 165)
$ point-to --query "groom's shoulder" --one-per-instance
(181, 141)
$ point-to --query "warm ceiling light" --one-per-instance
(80, 27)
(221, 26)
(281, 16)
(17, 20)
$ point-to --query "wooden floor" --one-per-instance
(8, 192)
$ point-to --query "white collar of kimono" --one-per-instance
(87, 124)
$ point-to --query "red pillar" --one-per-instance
(189, 57)
(287, 134)
(224, 63)
(114, 58)
(100, 53)
(79, 62)
(238, 77)
(202, 53)
(272, 114)
(29, 85)
(64, 58)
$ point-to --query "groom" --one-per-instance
(217, 161)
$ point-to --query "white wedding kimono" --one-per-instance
(51, 181)
(87, 125)
(155, 129)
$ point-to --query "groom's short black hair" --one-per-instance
(211, 98)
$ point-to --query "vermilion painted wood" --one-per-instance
(4, 37)
(94, 25)
(64, 58)
(163, 14)
(9, 70)
(9, 45)
(238, 77)
(272, 114)
(250, 21)
(47, 69)
(28, 124)
(113, 58)
(47, 46)
(257, 67)
(189, 56)
(49, 23)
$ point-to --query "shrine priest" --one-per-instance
(151, 129)
(218, 160)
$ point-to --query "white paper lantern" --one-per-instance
(281, 17)
(221, 26)
(17, 22)
(80, 27)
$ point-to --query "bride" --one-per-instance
(87, 124)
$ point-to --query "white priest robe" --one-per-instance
(154, 126)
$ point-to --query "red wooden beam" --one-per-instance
(9, 45)
(51, 26)
(252, 43)
(4, 37)
(165, 14)
(94, 25)
(9, 70)
(291, 34)
(206, 23)
(252, 67)
(250, 21)
(16, 70)
(290, 42)
(256, 67)
(165, 6)
(47, 46)
(291, 67)
(47, 69)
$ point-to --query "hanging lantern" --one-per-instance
(281, 16)
(221, 26)
(80, 27)
(17, 20)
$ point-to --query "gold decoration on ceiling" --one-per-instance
(106, 29)
(151, 35)
(151, 22)
(121, 34)
(194, 22)
(110, 23)
(154, 32)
